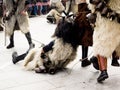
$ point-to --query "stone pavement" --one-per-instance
(15, 77)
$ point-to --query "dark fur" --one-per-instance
(83, 26)
(67, 31)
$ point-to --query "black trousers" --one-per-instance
(84, 51)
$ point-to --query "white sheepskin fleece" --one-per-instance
(33, 59)
(106, 37)
(60, 53)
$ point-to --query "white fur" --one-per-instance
(106, 37)
(62, 52)
(57, 11)
(33, 59)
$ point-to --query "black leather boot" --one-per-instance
(28, 36)
(115, 59)
(115, 62)
(50, 19)
(85, 62)
(103, 76)
(14, 56)
(1, 28)
(94, 61)
(11, 45)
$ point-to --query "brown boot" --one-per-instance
(102, 61)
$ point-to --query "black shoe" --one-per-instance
(52, 70)
(10, 46)
(94, 61)
(103, 76)
(85, 63)
(115, 62)
(50, 19)
(14, 56)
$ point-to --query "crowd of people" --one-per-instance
(38, 7)
(88, 26)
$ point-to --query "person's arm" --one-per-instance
(48, 47)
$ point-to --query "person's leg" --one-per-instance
(11, 44)
(32, 11)
(16, 58)
(85, 62)
(35, 10)
(102, 61)
(28, 36)
(94, 61)
(39, 10)
(115, 59)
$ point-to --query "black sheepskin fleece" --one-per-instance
(68, 32)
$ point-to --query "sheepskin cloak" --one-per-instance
(61, 55)
(21, 19)
(106, 37)
(57, 11)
